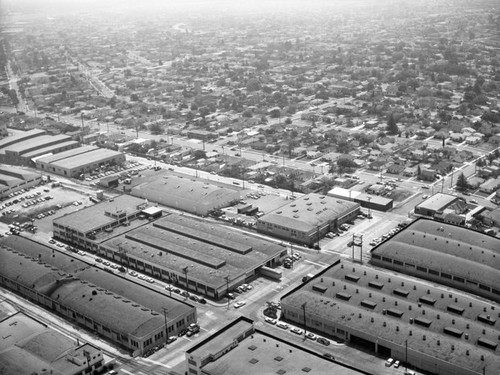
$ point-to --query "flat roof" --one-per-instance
(352, 194)
(49, 149)
(85, 159)
(170, 188)
(111, 282)
(20, 136)
(309, 211)
(438, 201)
(92, 217)
(447, 248)
(66, 154)
(210, 251)
(396, 303)
(262, 353)
(37, 142)
(104, 307)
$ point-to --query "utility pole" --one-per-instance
(165, 310)
(185, 270)
(305, 325)
(227, 289)
(369, 207)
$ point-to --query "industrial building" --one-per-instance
(27, 346)
(446, 254)
(73, 163)
(127, 314)
(427, 328)
(441, 204)
(186, 194)
(241, 348)
(13, 179)
(307, 219)
(23, 147)
(200, 256)
(373, 202)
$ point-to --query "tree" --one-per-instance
(288, 121)
(392, 128)
(199, 154)
(156, 129)
(462, 184)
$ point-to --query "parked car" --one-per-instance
(239, 304)
(270, 321)
(329, 356)
(389, 362)
(297, 331)
(323, 341)
(282, 325)
(311, 336)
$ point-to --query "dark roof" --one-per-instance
(84, 271)
(210, 251)
(447, 248)
(392, 311)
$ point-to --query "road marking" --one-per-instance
(330, 252)
(156, 362)
(321, 264)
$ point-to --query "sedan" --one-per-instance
(297, 331)
(270, 321)
(239, 304)
(323, 341)
(133, 273)
(311, 336)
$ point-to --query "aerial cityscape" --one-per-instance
(262, 187)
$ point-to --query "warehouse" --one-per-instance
(430, 328)
(441, 203)
(373, 202)
(19, 137)
(307, 219)
(240, 348)
(73, 163)
(14, 152)
(199, 256)
(186, 194)
(446, 254)
(27, 158)
(124, 312)
(13, 179)
(29, 346)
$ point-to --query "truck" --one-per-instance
(307, 277)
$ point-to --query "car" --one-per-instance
(323, 341)
(396, 364)
(194, 298)
(182, 332)
(425, 196)
(185, 294)
(203, 301)
(239, 304)
(389, 362)
(270, 321)
(133, 273)
(473, 201)
(106, 263)
(177, 291)
(112, 372)
(248, 286)
(170, 288)
(329, 356)
(311, 336)
(52, 242)
(171, 339)
(282, 325)
(190, 333)
(297, 331)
